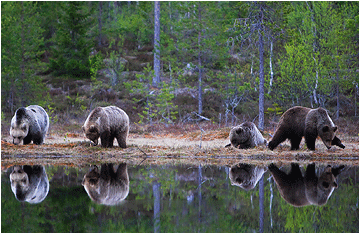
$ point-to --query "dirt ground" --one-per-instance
(194, 147)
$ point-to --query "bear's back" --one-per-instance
(37, 114)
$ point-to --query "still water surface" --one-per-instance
(181, 198)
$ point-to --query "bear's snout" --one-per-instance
(95, 142)
(16, 140)
(327, 144)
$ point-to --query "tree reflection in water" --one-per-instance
(157, 200)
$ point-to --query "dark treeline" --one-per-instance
(225, 61)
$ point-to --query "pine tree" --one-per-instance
(21, 45)
(72, 45)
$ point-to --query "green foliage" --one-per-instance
(318, 50)
(314, 56)
(95, 62)
(77, 102)
(114, 66)
(276, 110)
(20, 49)
(71, 46)
(158, 102)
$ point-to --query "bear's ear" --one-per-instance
(238, 131)
(325, 128)
(335, 128)
(92, 128)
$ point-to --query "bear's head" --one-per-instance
(320, 192)
(91, 179)
(239, 136)
(19, 125)
(92, 132)
(327, 134)
(327, 180)
(245, 176)
(19, 183)
(19, 132)
(30, 185)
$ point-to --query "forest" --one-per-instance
(180, 62)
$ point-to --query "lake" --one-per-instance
(124, 197)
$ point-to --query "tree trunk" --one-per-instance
(156, 79)
(261, 76)
(200, 66)
(157, 206)
(100, 24)
(261, 204)
(337, 89)
(271, 68)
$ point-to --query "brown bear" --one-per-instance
(245, 176)
(29, 124)
(300, 121)
(107, 123)
(29, 183)
(107, 187)
(308, 190)
(245, 136)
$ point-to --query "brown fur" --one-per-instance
(300, 121)
(107, 123)
(107, 187)
(245, 176)
(246, 136)
(299, 190)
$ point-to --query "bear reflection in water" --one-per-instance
(29, 183)
(246, 176)
(299, 190)
(107, 187)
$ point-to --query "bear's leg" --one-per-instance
(107, 171)
(295, 171)
(37, 139)
(278, 138)
(121, 173)
(121, 139)
(27, 139)
(295, 142)
(111, 141)
(310, 175)
(310, 141)
(280, 177)
(105, 137)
